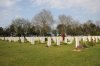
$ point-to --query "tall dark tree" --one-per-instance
(1, 31)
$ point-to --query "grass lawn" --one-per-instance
(25, 54)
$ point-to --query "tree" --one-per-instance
(12, 30)
(43, 19)
(61, 28)
(66, 21)
(33, 30)
(89, 28)
(21, 26)
(1, 31)
(7, 32)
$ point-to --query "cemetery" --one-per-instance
(49, 33)
(72, 51)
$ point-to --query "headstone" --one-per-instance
(65, 40)
(16, 39)
(96, 38)
(93, 38)
(36, 38)
(6, 38)
(32, 40)
(85, 38)
(49, 42)
(10, 39)
(22, 39)
(42, 39)
(13, 39)
(77, 42)
(99, 37)
(58, 41)
(89, 38)
(61, 39)
(54, 39)
(3, 38)
(28, 39)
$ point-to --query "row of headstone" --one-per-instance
(15, 39)
(85, 39)
(57, 40)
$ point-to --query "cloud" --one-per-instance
(7, 3)
(8, 9)
(90, 5)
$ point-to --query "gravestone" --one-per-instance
(10, 39)
(58, 41)
(42, 39)
(93, 38)
(85, 38)
(22, 39)
(77, 42)
(16, 39)
(89, 38)
(54, 39)
(49, 42)
(28, 39)
(65, 40)
(96, 37)
(32, 40)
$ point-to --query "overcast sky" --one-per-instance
(81, 10)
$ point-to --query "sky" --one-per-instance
(81, 10)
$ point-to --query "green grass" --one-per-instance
(25, 54)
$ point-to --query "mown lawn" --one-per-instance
(25, 54)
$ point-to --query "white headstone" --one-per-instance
(28, 39)
(36, 38)
(93, 38)
(32, 40)
(16, 39)
(85, 38)
(65, 40)
(61, 39)
(22, 39)
(10, 39)
(42, 39)
(6, 38)
(77, 41)
(96, 38)
(54, 39)
(2, 38)
(58, 41)
(99, 37)
(89, 38)
(49, 42)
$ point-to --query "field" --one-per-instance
(25, 54)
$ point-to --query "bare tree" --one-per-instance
(21, 25)
(66, 21)
(44, 19)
